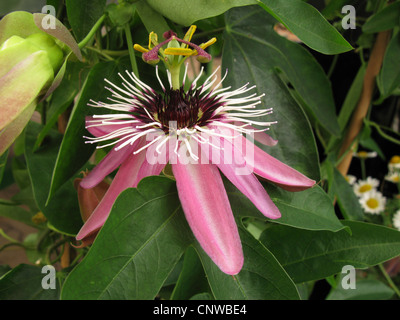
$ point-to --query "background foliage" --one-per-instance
(334, 91)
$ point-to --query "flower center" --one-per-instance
(177, 109)
(365, 188)
(362, 154)
(395, 159)
(372, 203)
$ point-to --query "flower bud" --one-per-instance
(120, 14)
(29, 60)
(88, 200)
(46, 43)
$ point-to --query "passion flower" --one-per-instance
(200, 132)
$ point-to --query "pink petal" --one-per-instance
(281, 174)
(99, 131)
(246, 182)
(132, 170)
(208, 212)
(261, 137)
(270, 168)
(107, 165)
(151, 165)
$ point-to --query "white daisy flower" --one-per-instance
(393, 176)
(373, 202)
(350, 179)
(364, 186)
(396, 220)
(365, 154)
(394, 163)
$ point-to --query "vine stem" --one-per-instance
(7, 237)
(389, 279)
(91, 33)
(132, 57)
(373, 68)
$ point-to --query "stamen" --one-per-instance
(208, 84)
(213, 133)
(136, 136)
(169, 79)
(189, 148)
(219, 83)
(184, 75)
(159, 80)
(207, 111)
(147, 145)
(161, 144)
(198, 77)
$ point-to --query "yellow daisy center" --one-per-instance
(395, 159)
(372, 203)
(365, 188)
(362, 154)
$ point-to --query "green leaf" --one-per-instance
(366, 289)
(3, 162)
(389, 76)
(191, 279)
(352, 98)
(333, 7)
(74, 152)
(347, 199)
(4, 269)
(366, 140)
(152, 20)
(136, 249)
(63, 97)
(308, 24)
(60, 32)
(82, 15)
(202, 296)
(385, 19)
(261, 278)
(313, 255)
(16, 213)
(250, 28)
(24, 282)
(63, 210)
(120, 14)
(186, 13)
(311, 209)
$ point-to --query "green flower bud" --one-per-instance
(27, 68)
(30, 68)
(46, 43)
(120, 14)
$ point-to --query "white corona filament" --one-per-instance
(236, 112)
